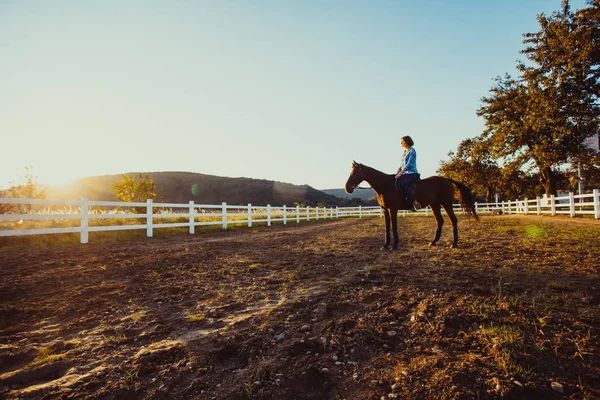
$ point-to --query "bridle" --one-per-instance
(355, 186)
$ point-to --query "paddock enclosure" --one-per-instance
(307, 311)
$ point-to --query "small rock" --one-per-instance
(305, 328)
(335, 357)
(281, 336)
(557, 387)
(392, 396)
(391, 333)
(338, 363)
(519, 384)
(324, 369)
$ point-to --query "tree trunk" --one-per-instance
(548, 180)
(489, 197)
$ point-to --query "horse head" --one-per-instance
(355, 178)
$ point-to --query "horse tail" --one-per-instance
(467, 199)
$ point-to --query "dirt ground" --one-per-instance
(308, 311)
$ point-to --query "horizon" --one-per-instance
(290, 92)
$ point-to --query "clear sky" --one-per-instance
(290, 91)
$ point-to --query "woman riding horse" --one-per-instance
(435, 192)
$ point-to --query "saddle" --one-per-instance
(398, 183)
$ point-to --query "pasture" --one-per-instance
(312, 311)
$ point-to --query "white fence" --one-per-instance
(570, 204)
(90, 216)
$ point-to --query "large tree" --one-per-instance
(542, 118)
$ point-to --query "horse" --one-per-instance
(435, 192)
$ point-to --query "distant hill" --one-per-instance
(360, 194)
(181, 187)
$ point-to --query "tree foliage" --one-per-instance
(131, 191)
(473, 165)
(28, 190)
(539, 120)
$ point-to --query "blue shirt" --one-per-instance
(409, 161)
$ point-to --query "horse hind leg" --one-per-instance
(440, 222)
(454, 221)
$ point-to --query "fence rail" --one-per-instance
(93, 216)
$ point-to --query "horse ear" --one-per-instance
(354, 163)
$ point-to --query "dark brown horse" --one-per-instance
(435, 192)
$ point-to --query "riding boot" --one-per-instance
(411, 198)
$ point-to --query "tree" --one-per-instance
(473, 165)
(29, 190)
(130, 191)
(541, 119)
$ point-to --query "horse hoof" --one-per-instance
(395, 248)
(384, 248)
(432, 244)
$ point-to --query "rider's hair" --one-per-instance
(408, 140)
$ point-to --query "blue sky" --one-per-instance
(290, 91)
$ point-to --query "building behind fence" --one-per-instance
(83, 216)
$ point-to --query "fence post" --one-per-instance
(268, 215)
(337, 212)
(297, 214)
(192, 217)
(224, 215)
(359, 211)
(317, 213)
(476, 211)
(249, 215)
(503, 206)
(552, 205)
(284, 215)
(538, 205)
(526, 206)
(596, 203)
(85, 212)
(308, 213)
(149, 229)
(572, 204)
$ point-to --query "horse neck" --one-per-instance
(377, 179)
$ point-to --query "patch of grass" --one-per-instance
(197, 318)
(117, 338)
(535, 232)
(503, 334)
(46, 356)
(254, 266)
(138, 316)
(292, 276)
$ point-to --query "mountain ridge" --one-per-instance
(183, 186)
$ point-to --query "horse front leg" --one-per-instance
(454, 230)
(394, 217)
(387, 230)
